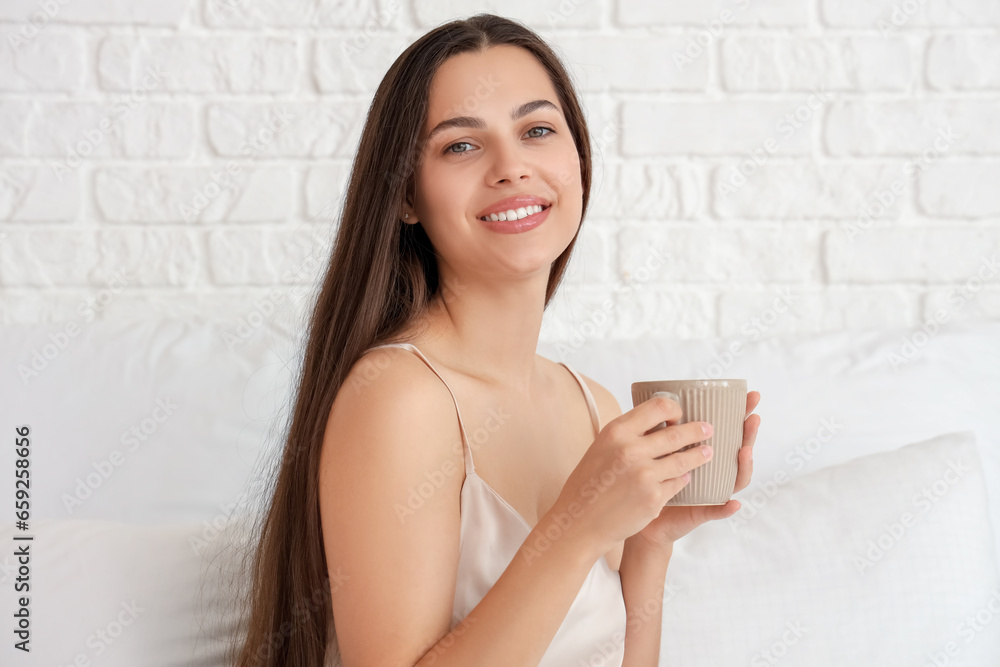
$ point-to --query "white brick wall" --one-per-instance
(762, 166)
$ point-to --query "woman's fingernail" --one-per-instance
(706, 428)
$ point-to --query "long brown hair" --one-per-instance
(380, 278)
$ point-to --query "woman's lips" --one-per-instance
(517, 226)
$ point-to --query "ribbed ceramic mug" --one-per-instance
(721, 403)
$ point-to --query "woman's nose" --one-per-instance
(510, 162)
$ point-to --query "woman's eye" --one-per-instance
(541, 127)
(460, 143)
(466, 143)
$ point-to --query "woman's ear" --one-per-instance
(408, 215)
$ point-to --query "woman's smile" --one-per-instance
(517, 220)
(515, 214)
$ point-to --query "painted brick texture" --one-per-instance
(839, 156)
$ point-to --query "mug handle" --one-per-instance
(668, 394)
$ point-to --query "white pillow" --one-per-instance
(826, 398)
(732, 590)
(848, 565)
(118, 595)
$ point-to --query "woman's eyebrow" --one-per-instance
(478, 123)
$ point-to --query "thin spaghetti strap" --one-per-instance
(467, 451)
(591, 404)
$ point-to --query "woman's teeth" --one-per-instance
(513, 214)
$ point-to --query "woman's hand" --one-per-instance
(628, 474)
(676, 521)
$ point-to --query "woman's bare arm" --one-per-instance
(391, 472)
(519, 616)
(643, 581)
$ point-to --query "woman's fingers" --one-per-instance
(705, 513)
(753, 398)
(648, 418)
(676, 437)
(649, 414)
(678, 463)
(744, 462)
(744, 459)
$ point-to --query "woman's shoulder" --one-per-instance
(607, 405)
(389, 396)
(390, 372)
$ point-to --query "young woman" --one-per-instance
(446, 496)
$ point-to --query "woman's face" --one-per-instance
(467, 170)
